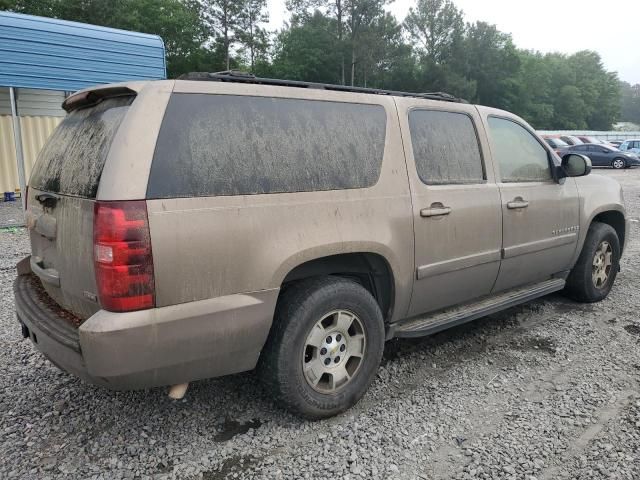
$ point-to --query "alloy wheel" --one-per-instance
(333, 351)
(602, 264)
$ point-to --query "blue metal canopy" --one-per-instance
(38, 52)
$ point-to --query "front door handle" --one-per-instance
(517, 202)
(436, 209)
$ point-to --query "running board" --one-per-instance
(430, 324)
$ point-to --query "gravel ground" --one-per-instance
(11, 213)
(549, 390)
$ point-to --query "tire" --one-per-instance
(619, 163)
(296, 354)
(586, 282)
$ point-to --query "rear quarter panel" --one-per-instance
(205, 247)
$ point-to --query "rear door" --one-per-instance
(60, 203)
(456, 204)
(540, 217)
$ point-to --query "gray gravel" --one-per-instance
(11, 213)
(549, 390)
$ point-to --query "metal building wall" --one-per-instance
(34, 103)
(35, 131)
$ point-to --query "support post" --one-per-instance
(17, 139)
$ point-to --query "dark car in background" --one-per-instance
(571, 139)
(603, 155)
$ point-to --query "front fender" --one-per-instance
(598, 194)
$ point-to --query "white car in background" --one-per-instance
(630, 146)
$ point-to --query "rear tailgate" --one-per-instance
(60, 203)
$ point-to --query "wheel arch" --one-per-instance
(616, 220)
(371, 269)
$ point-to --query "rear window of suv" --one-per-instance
(212, 145)
(72, 160)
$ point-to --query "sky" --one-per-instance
(609, 27)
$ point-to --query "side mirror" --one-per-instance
(575, 165)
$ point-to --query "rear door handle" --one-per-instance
(436, 209)
(516, 203)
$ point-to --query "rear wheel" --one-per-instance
(619, 163)
(595, 271)
(324, 347)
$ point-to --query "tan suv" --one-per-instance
(194, 228)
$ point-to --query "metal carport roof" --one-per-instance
(38, 52)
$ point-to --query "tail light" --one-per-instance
(122, 256)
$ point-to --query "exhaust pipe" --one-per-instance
(176, 392)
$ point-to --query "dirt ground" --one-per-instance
(549, 390)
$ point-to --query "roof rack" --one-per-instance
(245, 77)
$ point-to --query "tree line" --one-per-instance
(359, 43)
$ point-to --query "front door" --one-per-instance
(540, 216)
(456, 205)
(599, 156)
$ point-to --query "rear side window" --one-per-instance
(72, 160)
(212, 145)
(445, 147)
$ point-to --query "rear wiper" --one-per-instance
(48, 200)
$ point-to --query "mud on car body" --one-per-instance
(188, 229)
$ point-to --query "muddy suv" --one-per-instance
(194, 228)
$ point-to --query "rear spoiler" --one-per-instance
(87, 98)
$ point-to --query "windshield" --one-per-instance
(592, 140)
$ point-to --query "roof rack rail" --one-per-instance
(238, 76)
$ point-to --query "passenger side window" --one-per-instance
(445, 147)
(519, 154)
(212, 145)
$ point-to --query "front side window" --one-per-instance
(520, 156)
(445, 147)
(212, 145)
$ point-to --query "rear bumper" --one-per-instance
(147, 348)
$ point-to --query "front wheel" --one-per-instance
(595, 271)
(619, 163)
(324, 348)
